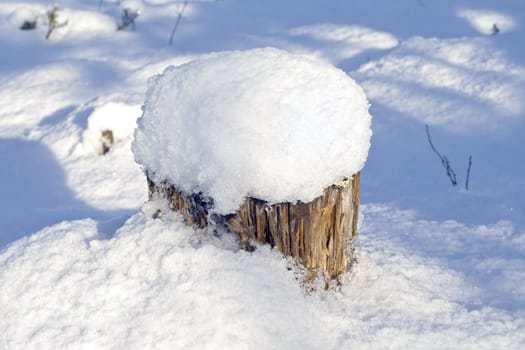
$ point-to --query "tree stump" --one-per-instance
(319, 233)
(268, 122)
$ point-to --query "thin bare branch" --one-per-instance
(179, 18)
(468, 171)
(444, 160)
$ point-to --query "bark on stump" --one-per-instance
(319, 233)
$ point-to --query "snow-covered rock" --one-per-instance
(262, 123)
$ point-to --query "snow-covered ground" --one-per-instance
(83, 264)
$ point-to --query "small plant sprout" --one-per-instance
(128, 18)
(52, 21)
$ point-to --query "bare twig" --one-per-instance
(444, 160)
(468, 171)
(179, 18)
(52, 19)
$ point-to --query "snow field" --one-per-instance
(445, 274)
(458, 84)
(157, 284)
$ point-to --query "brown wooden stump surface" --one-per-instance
(319, 233)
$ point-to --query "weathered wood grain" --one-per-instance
(319, 233)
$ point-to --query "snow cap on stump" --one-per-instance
(262, 123)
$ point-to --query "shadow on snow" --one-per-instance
(34, 193)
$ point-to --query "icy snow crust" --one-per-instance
(261, 123)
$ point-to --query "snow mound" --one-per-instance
(340, 42)
(147, 287)
(112, 182)
(20, 15)
(488, 22)
(261, 123)
(158, 284)
(86, 24)
(464, 85)
(119, 118)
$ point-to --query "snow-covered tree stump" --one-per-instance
(266, 143)
(319, 233)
